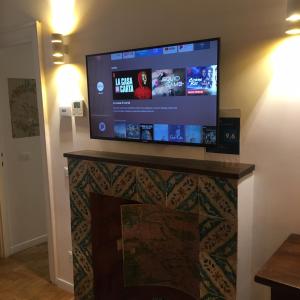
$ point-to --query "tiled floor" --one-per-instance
(24, 276)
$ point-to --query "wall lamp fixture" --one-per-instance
(58, 49)
(293, 17)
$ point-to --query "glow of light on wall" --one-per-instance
(68, 78)
(285, 61)
(63, 16)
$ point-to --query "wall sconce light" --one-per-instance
(293, 17)
(58, 49)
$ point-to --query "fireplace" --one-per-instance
(157, 229)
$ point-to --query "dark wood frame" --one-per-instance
(193, 166)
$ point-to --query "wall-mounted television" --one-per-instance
(165, 94)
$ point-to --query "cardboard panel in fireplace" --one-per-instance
(143, 251)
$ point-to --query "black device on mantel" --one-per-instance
(164, 94)
(228, 138)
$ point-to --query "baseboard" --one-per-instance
(65, 285)
(28, 244)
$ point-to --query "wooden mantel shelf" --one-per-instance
(205, 167)
(282, 271)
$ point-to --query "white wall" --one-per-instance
(24, 195)
(256, 77)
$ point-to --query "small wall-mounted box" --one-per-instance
(77, 108)
(65, 111)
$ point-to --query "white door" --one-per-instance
(2, 252)
(24, 209)
(2, 192)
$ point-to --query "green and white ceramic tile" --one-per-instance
(83, 276)
(151, 186)
(80, 188)
(78, 174)
(208, 292)
(217, 278)
(215, 199)
(218, 236)
(218, 197)
(123, 182)
(182, 192)
(100, 178)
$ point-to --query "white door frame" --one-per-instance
(32, 33)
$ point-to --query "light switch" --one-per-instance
(66, 170)
(65, 111)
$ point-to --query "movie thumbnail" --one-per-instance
(146, 132)
(133, 131)
(193, 134)
(168, 82)
(209, 135)
(161, 132)
(134, 84)
(202, 80)
(120, 130)
(176, 133)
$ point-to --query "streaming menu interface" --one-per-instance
(165, 94)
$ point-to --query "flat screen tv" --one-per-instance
(166, 94)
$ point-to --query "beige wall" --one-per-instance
(256, 77)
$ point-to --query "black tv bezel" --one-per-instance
(159, 142)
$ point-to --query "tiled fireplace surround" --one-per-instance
(213, 198)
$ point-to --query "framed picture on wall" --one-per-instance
(23, 107)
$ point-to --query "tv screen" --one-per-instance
(165, 94)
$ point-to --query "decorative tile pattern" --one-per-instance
(217, 236)
(78, 169)
(216, 278)
(100, 178)
(80, 187)
(214, 199)
(86, 177)
(83, 274)
(182, 192)
(123, 182)
(151, 186)
(209, 292)
(218, 197)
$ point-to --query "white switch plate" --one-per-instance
(65, 111)
(66, 170)
(70, 253)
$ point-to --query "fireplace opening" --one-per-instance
(143, 251)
